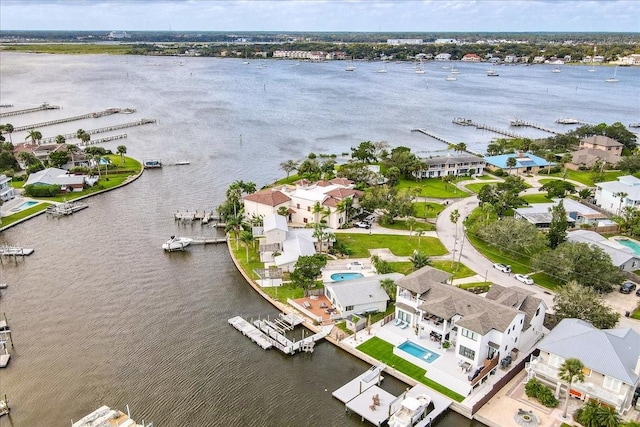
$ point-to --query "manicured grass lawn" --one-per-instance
(427, 209)
(359, 244)
(486, 177)
(458, 270)
(281, 293)
(433, 187)
(546, 281)
(383, 351)
(8, 220)
(402, 225)
(476, 186)
(241, 256)
(584, 177)
(536, 198)
(474, 285)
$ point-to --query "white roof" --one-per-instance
(570, 206)
(612, 352)
(298, 243)
(618, 253)
(54, 176)
(275, 222)
(626, 184)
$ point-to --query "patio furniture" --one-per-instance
(323, 305)
(405, 325)
(398, 322)
(306, 304)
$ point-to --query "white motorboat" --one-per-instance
(419, 70)
(350, 68)
(412, 409)
(105, 416)
(177, 243)
(450, 78)
(492, 73)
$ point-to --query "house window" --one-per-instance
(298, 205)
(538, 311)
(348, 308)
(612, 384)
(467, 352)
(555, 360)
(469, 334)
(308, 208)
(586, 372)
(403, 315)
(304, 220)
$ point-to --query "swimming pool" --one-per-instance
(338, 277)
(25, 205)
(635, 247)
(418, 351)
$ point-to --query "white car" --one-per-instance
(524, 279)
(362, 224)
(502, 267)
(355, 264)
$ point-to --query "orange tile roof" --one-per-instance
(268, 197)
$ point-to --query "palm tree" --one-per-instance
(318, 234)
(390, 288)
(60, 139)
(122, 150)
(246, 237)
(419, 232)
(411, 222)
(234, 223)
(8, 128)
(317, 210)
(621, 195)
(511, 163)
(34, 135)
(570, 371)
(607, 417)
(549, 157)
(419, 260)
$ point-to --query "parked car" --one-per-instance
(524, 279)
(355, 264)
(362, 224)
(502, 267)
(627, 287)
(638, 292)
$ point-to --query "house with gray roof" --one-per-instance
(621, 256)
(359, 296)
(611, 358)
(482, 330)
(539, 214)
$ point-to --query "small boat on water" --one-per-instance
(492, 73)
(450, 78)
(419, 70)
(4, 406)
(107, 417)
(567, 121)
(455, 71)
(613, 79)
(176, 243)
(634, 125)
(556, 70)
(412, 410)
(350, 68)
(152, 164)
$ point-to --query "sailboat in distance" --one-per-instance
(592, 69)
(613, 79)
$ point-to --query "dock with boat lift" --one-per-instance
(524, 123)
(432, 135)
(5, 340)
(15, 251)
(66, 209)
(250, 331)
(468, 122)
(201, 215)
(43, 107)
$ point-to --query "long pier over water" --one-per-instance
(101, 130)
(95, 115)
(42, 107)
(468, 122)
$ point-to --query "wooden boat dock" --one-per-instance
(5, 338)
(199, 215)
(523, 123)
(42, 107)
(15, 251)
(65, 209)
(100, 130)
(95, 115)
(468, 122)
(208, 240)
(432, 135)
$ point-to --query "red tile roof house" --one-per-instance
(302, 199)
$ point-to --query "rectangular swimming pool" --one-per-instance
(418, 351)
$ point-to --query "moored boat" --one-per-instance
(492, 73)
(152, 164)
(176, 243)
(412, 409)
(107, 417)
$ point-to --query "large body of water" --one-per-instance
(102, 316)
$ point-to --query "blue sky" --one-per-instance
(322, 15)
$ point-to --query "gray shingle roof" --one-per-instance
(612, 352)
(517, 298)
(361, 291)
(420, 281)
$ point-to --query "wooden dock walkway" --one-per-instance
(432, 135)
(523, 123)
(208, 240)
(95, 115)
(105, 139)
(100, 130)
(6, 105)
(199, 215)
(66, 209)
(468, 122)
(250, 331)
(15, 251)
(42, 107)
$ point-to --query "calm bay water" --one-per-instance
(102, 316)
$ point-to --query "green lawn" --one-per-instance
(359, 244)
(477, 186)
(427, 209)
(401, 224)
(8, 220)
(281, 293)
(383, 351)
(433, 187)
(241, 255)
(459, 271)
(584, 177)
(546, 281)
(536, 198)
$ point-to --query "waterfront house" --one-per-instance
(481, 330)
(611, 359)
(443, 57)
(461, 165)
(525, 162)
(596, 148)
(359, 296)
(471, 57)
(54, 176)
(613, 196)
(621, 256)
(6, 190)
(303, 199)
(539, 214)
